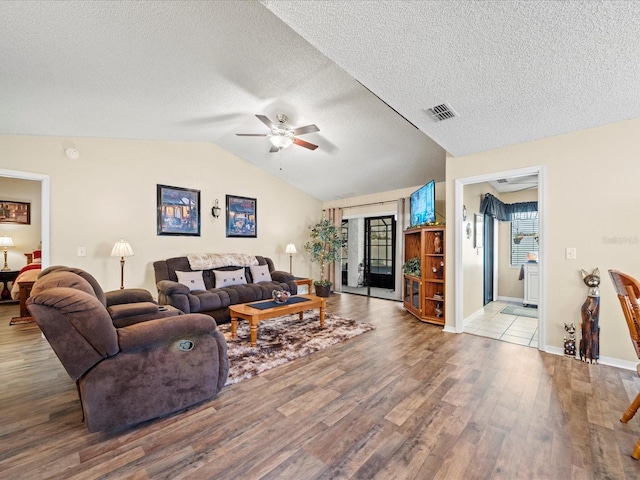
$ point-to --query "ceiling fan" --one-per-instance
(282, 135)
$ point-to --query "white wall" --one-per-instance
(590, 192)
(26, 238)
(110, 193)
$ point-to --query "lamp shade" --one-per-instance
(122, 249)
(291, 248)
(281, 141)
(6, 241)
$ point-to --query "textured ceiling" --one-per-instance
(513, 70)
(200, 71)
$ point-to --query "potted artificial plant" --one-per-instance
(324, 247)
(412, 267)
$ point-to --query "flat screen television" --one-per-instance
(423, 205)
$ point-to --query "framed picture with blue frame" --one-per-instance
(242, 218)
(178, 211)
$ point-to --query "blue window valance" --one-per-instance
(505, 212)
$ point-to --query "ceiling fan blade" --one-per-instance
(274, 149)
(304, 144)
(307, 129)
(266, 121)
(251, 134)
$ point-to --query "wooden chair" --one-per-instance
(628, 290)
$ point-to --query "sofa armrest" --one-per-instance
(163, 330)
(169, 287)
(282, 277)
(125, 310)
(128, 295)
(175, 294)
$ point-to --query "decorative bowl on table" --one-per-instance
(280, 296)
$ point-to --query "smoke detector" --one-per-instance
(72, 153)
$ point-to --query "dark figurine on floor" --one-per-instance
(590, 341)
(570, 343)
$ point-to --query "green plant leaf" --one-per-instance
(325, 245)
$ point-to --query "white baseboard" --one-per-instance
(468, 319)
(612, 362)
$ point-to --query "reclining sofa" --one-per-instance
(127, 375)
(210, 283)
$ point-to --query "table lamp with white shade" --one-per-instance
(291, 249)
(5, 242)
(122, 249)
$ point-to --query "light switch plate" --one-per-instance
(570, 253)
(82, 251)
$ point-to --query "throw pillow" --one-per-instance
(193, 280)
(260, 273)
(226, 278)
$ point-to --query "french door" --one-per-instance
(379, 252)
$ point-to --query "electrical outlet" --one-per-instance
(82, 251)
(570, 253)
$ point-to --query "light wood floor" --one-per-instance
(404, 401)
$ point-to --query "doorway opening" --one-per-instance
(45, 188)
(489, 301)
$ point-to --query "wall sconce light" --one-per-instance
(122, 249)
(215, 210)
(291, 249)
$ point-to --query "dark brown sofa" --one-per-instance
(131, 374)
(215, 300)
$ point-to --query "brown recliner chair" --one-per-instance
(628, 290)
(131, 374)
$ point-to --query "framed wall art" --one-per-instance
(15, 212)
(178, 211)
(241, 217)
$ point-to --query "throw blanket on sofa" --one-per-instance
(207, 261)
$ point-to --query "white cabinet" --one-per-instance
(531, 285)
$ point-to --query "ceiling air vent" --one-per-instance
(441, 112)
(502, 180)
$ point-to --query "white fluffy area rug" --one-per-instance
(283, 339)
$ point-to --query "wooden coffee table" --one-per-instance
(254, 315)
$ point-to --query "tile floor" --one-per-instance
(508, 328)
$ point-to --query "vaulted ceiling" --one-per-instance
(364, 72)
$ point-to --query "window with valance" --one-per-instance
(524, 225)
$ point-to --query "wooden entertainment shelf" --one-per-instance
(424, 296)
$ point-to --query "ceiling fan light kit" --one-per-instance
(281, 141)
(282, 135)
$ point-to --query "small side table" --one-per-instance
(300, 281)
(7, 276)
